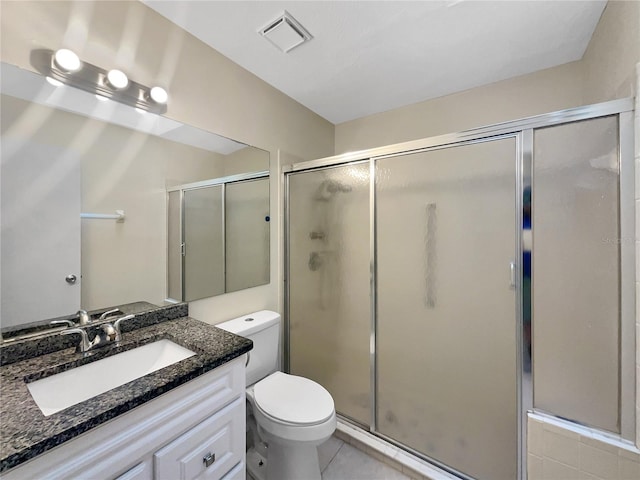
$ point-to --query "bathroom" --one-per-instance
(211, 92)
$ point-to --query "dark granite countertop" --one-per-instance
(26, 432)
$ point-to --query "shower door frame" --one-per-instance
(522, 130)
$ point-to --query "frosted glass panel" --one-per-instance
(329, 310)
(446, 344)
(204, 243)
(247, 234)
(576, 313)
(174, 246)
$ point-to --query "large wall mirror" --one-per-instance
(66, 153)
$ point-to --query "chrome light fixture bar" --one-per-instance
(63, 67)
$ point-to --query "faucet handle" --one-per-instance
(68, 323)
(117, 323)
(107, 313)
(110, 332)
(84, 344)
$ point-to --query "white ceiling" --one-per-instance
(372, 56)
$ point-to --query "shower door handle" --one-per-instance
(430, 255)
(512, 275)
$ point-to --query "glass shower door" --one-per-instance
(328, 280)
(446, 309)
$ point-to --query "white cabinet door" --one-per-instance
(207, 451)
(40, 238)
(239, 472)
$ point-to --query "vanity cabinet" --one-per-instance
(208, 450)
(142, 471)
(194, 431)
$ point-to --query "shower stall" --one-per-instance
(410, 292)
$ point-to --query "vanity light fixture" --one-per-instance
(117, 79)
(159, 95)
(67, 60)
(66, 67)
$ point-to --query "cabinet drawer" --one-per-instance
(220, 439)
(142, 471)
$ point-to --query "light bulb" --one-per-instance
(117, 79)
(66, 60)
(159, 95)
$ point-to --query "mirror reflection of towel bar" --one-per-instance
(118, 216)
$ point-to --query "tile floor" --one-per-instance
(341, 461)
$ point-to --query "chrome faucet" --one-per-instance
(107, 313)
(107, 335)
(84, 345)
(117, 326)
(83, 318)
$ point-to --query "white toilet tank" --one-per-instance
(263, 328)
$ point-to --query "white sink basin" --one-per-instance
(65, 389)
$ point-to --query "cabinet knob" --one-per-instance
(208, 459)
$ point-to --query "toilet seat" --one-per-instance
(292, 400)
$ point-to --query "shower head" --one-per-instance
(328, 188)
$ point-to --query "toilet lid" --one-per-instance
(293, 399)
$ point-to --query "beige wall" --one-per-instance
(540, 92)
(609, 62)
(246, 160)
(206, 90)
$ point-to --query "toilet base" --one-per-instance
(256, 465)
(294, 461)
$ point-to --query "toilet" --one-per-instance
(289, 416)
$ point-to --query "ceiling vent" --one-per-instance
(285, 33)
